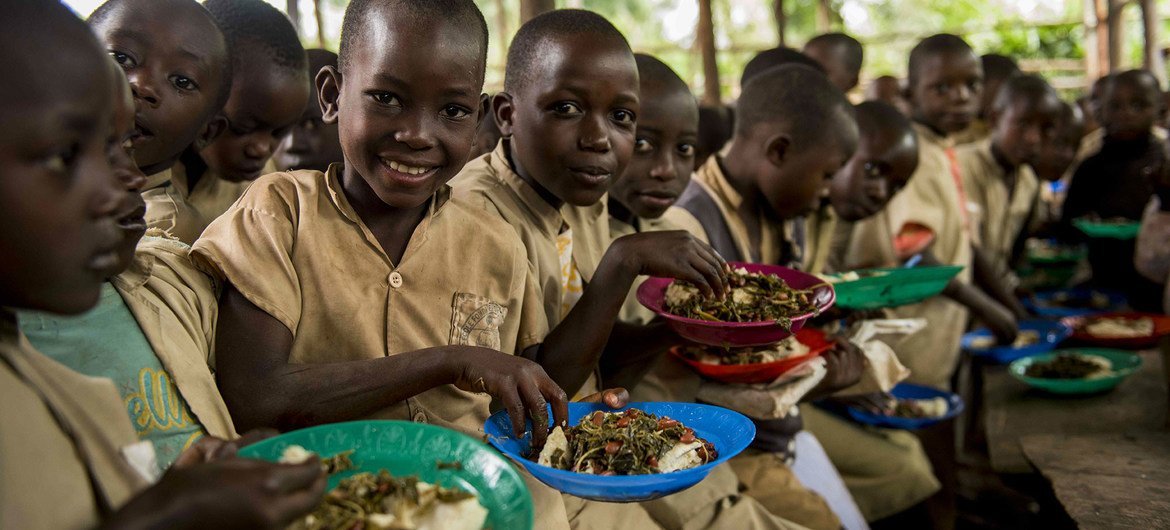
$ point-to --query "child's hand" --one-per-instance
(519, 384)
(1001, 322)
(210, 448)
(614, 398)
(675, 254)
(845, 363)
(227, 493)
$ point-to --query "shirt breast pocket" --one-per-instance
(475, 321)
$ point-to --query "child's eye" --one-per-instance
(455, 112)
(184, 83)
(61, 161)
(623, 116)
(687, 150)
(122, 59)
(385, 98)
(567, 109)
(642, 145)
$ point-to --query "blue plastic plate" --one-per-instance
(909, 391)
(1052, 303)
(406, 448)
(1051, 333)
(729, 431)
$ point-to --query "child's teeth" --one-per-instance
(407, 169)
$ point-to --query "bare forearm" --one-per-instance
(632, 351)
(987, 278)
(571, 352)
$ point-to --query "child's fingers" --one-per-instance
(515, 408)
(534, 404)
(711, 276)
(287, 508)
(289, 478)
(559, 401)
(717, 265)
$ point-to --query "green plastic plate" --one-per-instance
(405, 448)
(1110, 230)
(1124, 363)
(894, 287)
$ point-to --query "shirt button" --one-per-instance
(420, 417)
(395, 280)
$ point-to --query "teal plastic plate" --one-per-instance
(893, 287)
(405, 448)
(1111, 230)
(1124, 363)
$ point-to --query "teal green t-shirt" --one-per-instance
(107, 342)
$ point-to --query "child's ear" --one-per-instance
(502, 109)
(485, 110)
(777, 149)
(215, 127)
(328, 83)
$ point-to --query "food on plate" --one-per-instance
(754, 297)
(383, 502)
(1046, 249)
(1071, 366)
(1119, 327)
(787, 348)
(1024, 339)
(1095, 300)
(631, 442)
(919, 408)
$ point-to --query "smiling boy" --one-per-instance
(269, 91)
(176, 59)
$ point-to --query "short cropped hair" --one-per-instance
(854, 53)
(774, 57)
(997, 66)
(942, 43)
(462, 12)
(654, 71)
(526, 45)
(795, 94)
(258, 28)
(1027, 87)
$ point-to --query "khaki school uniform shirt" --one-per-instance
(294, 246)
(999, 214)
(974, 133)
(931, 199)
(819, 228)
(176, 306)
(775, 241)
(62, 441)
(186, 212)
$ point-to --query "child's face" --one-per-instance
(131, 212)
(945, 95)
(832, 59)
(1129, 109)
(265, 104)
(311, 143)
(1024, 127)
(174, 60)
(799, 184)
(57, 194)
(1058, 155)
(664, 153)
(881, 166)
(407, 106)
(572, 125)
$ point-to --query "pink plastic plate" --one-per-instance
(652, 293)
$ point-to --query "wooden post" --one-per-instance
(320, 23)
(1116, 32)
(531, 8)
(1152, 56)
(1101, 9)
(1093, 66)
(781, 19)
(824, 16)
(706, 39)
(502, 34)
(294, 14)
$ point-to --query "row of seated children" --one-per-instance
(332, 285)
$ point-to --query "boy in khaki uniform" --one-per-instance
(997, 174)
(180, 109)
(269, 90)
(153, 327)
(358, 292)
(69, 455)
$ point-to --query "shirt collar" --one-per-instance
(338, 199)
(548, 219)
(711, 175)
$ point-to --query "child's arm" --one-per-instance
(262, 389)
(572, 351)
(985, 277)
(998, 319)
